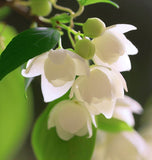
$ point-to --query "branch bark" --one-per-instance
(23, 11)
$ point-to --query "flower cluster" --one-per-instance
(95, 89)
(124, 145)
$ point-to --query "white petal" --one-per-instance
(117, 81)
(106, 107)
(72, 116)
(57, 56)
(109, 46)
(89, 125)
(123, 81)
(130, 48)
(83, 131)
(50, 92)
(122, 64)
(35, 66)
(93, 120)
(81, 65)
(98, 61)
(59, 73)
(123, 28)
(124, 114)
(119, 84)
(96, 85)
(138, 142)
(131, 104)
(63, 134)
(51, 119)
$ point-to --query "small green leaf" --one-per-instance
(48, 146)
(89, 2)
(62, 18)
(112, 125)
(15, 114)
(25, 46)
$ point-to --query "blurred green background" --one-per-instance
(139, 79)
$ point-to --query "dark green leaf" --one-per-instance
(25, 46)
(89, 2)
(48, 146)
(15, 114)
(112, 125)
(62, 18)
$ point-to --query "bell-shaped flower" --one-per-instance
(121, 146)
(99, 90)
(58, 69)
(112, 47)
(125, 108)
(70, 118)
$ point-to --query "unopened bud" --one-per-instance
(93, 27)
(40, 7)
(85, 48)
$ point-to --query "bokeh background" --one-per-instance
(139, 79)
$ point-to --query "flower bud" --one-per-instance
(93, 27)
(85, 48)
(40, 7)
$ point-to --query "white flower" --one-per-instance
(70, 118)
(123, 145)
(146, 132)
(58, 69)
(120, 146)
(99, 90)
(125, 108)
(113, 48)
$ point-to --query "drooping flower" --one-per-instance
(120, 146)
(100, 90)
(125, 108)
(123, 145)
(112, 47)
(70, 118)
(58, 69)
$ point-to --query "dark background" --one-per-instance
(139, 79)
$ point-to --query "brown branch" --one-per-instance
(23, 11)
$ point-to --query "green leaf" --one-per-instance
(89, 2)
(6, 34)
(25, 46)
(112, 125)
(4, 11)
(62, 18)
(48, 146)
(15, 114)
